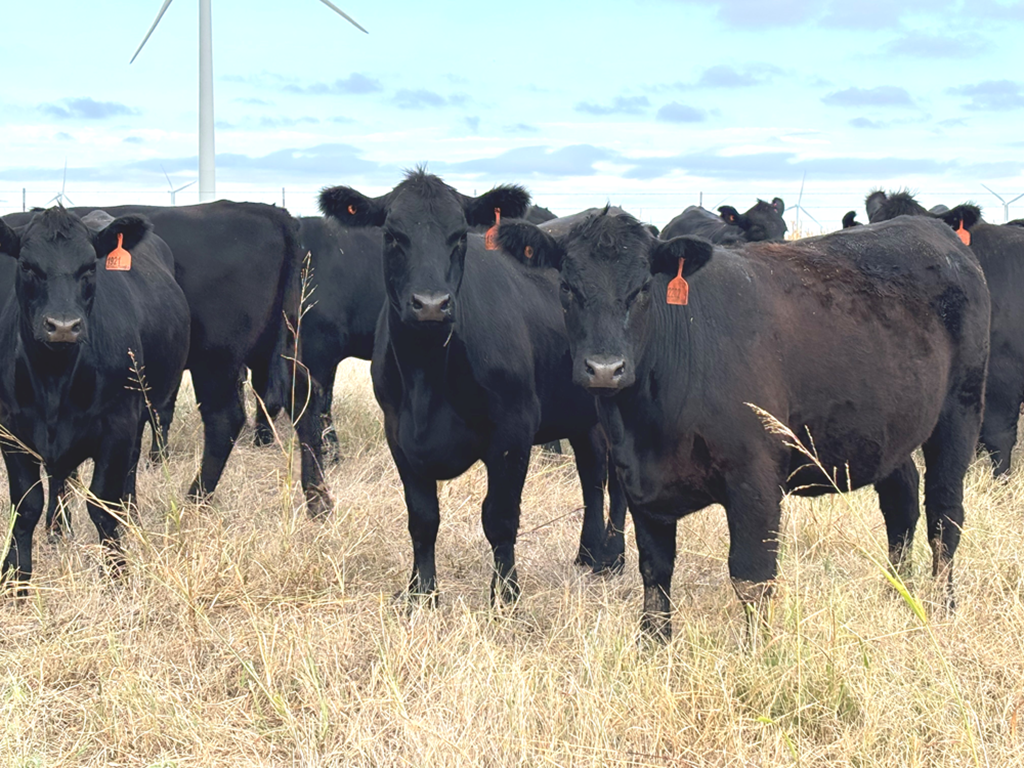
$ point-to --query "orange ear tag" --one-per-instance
(491, 238)
(119, 259)
(963, 234)
(678, 289)
(528, 251)
(351, 210)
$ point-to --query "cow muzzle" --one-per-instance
(605, 372)
(62, 330)
(431, 307)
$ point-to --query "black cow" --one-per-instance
(78, 339)
(762, 222)
(348, 293)
(866, 344)
(1000, 250)
(239, 266)
(470, 362)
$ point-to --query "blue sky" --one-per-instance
(643, 103)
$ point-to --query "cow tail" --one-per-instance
(279, 382)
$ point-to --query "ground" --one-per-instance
(246, 634)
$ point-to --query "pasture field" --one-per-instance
(247, 635)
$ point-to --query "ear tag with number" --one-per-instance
(678, 289)
(491, 238)
(963, 234)
(119, 259)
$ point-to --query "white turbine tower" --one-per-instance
(60, 197)
(207, 172)
(799, 208)
(172, 191)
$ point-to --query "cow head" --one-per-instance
(882, 207)
(56, 277)
(762, 222)
(606, 263)
(425, 225)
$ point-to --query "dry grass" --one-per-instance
(247, 635)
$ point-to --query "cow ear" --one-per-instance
(874, 202)
(779, 206)
(729, 215)
(131, 228)
(652, 229)
(10, 242)
(967, 214)
(352, 208)
(511, 199)
(850, 220)
(529, 244)
(665, 255)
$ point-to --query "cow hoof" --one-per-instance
(613, 567)
(318, 503)
(584, 558)
(263, 436)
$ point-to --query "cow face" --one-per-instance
(606, 265)
(425, 225)
(56, 277)
(762, 222)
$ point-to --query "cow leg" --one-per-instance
(27, 500)
(220, 405)
(325, 375)
(656, 547)
(898, 496)
(754, 515)
(613, 551)
(110, 480)
(506, 473)
(264, 432)
(305, 408)
(999, 426)
(58, 516)
(424, 520)
(592, 466)
(162, 426)
(947, 455)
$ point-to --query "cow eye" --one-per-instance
(566, 290)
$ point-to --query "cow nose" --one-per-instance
(605, 372)
(431, 307)
(62, 330)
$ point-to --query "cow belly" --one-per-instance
(437, 442)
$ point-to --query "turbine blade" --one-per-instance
(800, 197)
(986, 186)
(166, 176)
(184, 185)
(64, 181)
(159, 16)
(334, 8)
(1018, 197)
(807, 213)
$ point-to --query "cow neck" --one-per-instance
(58, 377)
(432, 352)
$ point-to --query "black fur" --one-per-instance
(762, 222)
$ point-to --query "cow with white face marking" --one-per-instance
(869, 342)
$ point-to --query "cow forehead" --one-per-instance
(436, 203)
(43, 244)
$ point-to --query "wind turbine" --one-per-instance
(60, 197)
(800, 209)
(207, 172)
(1006, 205)
(174, 191)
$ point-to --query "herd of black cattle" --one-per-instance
(662, 359)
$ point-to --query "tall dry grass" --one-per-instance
(247, 635)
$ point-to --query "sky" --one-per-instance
(653, 105)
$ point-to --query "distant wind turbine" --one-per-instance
(207, 171)
(1006, 205)
(172, 192)
(60, 197)
(799, 208)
